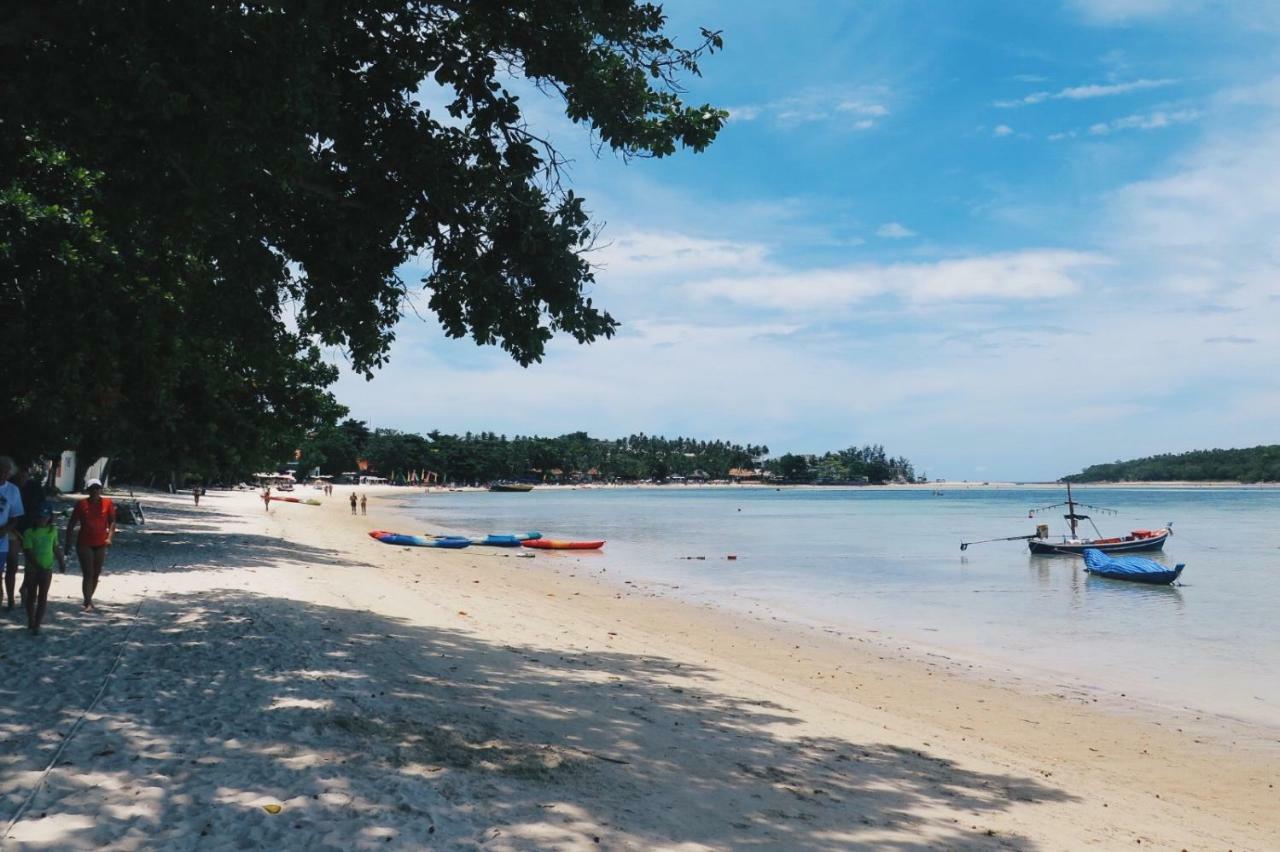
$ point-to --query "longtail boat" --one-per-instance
(1040, 542)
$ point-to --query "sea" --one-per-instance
(888, 563)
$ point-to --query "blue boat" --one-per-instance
(509, 540)
(1136, 569)
(452, 543)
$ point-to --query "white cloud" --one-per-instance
(1002, 130)
(648, 253)
(1086, 92)
(1210, 224)
(894, 231)
(1148, 121)
(1019, 276)
(860, 109)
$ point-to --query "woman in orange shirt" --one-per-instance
(96, 518)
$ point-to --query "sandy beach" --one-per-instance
(280, 680)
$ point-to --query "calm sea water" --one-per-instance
(890, 561)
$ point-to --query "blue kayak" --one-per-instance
(1133, 568)
(511, 540)
(419, 540)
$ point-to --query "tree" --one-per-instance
(183, 175)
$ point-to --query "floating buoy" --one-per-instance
(272, 808)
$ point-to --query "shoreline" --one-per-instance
(914, 649)
(930, 486)
(399, 697)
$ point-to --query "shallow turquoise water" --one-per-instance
(890, 561)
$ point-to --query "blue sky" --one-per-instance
(1005, 240)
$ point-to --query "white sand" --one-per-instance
(390, 697)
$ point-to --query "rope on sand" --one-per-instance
(102, 688)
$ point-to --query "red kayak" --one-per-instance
(560, 544)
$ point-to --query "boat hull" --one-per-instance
(511, 489)
(557, 544)
(418, 540)
(1133, 569)
(1046, 547)
(511, 540)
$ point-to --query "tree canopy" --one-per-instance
(1254, 464)
(194, 196)
(484, 457)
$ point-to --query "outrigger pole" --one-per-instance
(964, 545)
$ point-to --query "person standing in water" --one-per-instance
(353, 502)
(364, 504)
(96, 519)
(40, 541)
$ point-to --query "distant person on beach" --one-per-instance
(353, 502)
(197, 492)
(364, 504)
(96, 518)
(40, 541)
(10, 512)
(266, 499)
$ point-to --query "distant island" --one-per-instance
(1255, 464)
(577, 457)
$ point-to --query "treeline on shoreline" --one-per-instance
(486, 457)
(1253, 464)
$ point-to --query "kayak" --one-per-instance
(511, 540)
(559, 544)
(1133, 568)
(418, 540)
(308, 502)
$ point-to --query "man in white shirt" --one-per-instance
(10, 511)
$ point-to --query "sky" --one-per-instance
(1004, 240)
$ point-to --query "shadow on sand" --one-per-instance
(374, 732)
(184, 537)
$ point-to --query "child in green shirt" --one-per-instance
(40, 542)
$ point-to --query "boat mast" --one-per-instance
(1071, 511)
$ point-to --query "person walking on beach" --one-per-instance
(353, 502)
(10, 512)
(96, 519)
(40, 541)
(266, 499)
(32, 490)
(364, 504)
(197, 492)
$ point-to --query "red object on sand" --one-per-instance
(559, 544)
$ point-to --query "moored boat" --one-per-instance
(1138, 541)
(1135, 569)
(560, 544)
(511, 487)
(1041, 543)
